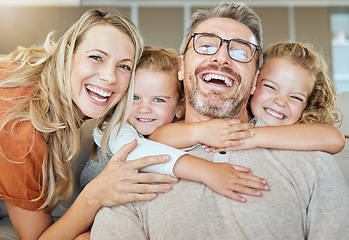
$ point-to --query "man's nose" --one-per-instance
(222, 56)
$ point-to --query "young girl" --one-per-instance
(158, 98)
(45, 96)
(293, 87)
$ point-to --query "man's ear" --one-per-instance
(180, 111)
(181, 68)
(254, 85)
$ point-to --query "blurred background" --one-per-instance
(324, 24)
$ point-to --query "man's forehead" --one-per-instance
(226, 28)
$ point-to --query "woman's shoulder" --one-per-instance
(22, 152)
(7, 69)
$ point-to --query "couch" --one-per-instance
(342, 158)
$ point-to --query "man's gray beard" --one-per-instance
(214, 105)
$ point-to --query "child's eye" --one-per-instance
(95, 57)
(126, 67)
(159, 100)
(136, 98)
(297, 98)
(269, 86)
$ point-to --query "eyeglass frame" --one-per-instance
(256, 47)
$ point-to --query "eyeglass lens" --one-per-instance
(210, 44)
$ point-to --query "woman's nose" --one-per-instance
(107, 74)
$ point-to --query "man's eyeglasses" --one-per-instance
(209, 44)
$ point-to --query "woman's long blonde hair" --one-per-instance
(322, 102)
(51, 109)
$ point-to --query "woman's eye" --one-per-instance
(159, 100)
(95, 57)
(136, 98)
(126, 67)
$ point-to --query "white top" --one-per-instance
(144, 147)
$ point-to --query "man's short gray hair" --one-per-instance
(236, 11)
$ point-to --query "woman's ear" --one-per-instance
(66, 52)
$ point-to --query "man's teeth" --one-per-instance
(226, 80)
(98, 91)
(275, 114)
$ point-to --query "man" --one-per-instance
(308, 198)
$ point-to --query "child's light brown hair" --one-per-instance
(163, 59)
(322, 102)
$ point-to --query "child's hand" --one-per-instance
(222, 133)
(228, 180)
(209, 149)
(247, 143)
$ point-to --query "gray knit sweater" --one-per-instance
(308, 199)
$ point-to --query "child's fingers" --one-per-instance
(233, 195)
(240, 126)
(241, 168)
(240, 135)
(246, 190)
(231, 144)
(252, 181)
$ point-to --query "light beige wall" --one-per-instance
(30, 26)
(275, 24)
(313, 26)
(161, 26)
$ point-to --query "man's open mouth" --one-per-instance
(218, 79)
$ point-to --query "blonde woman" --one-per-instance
(46, 94)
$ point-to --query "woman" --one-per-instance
(46, 94)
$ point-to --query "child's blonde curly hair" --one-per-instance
(322, 102)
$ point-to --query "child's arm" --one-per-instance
(224, 178)
(215, 133)
(305, 136)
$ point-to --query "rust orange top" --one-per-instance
(22, 150)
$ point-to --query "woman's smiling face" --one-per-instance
(101, 70)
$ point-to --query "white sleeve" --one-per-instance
(144, 148)
(97, 136)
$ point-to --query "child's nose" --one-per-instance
(144, 107)
(280, 100)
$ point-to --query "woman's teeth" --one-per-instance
(99, 95)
